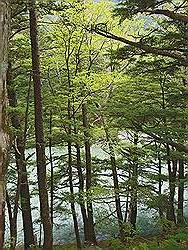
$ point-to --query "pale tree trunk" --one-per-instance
(3, 135)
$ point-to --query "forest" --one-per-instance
(93, 124)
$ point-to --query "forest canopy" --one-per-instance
(96, 117)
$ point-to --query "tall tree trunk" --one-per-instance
(72, 199)
(127, 201)
(180, 215)
(115, 180)
(172, 169)
(160, 183)
(19, 149)
(81, 182)
(116, 191)
(81, 192)
(13, 215)
(134, 185)
(51, 172)
(39, 133)
(4, 21)
(90, 220)
(70, 120)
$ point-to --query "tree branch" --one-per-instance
(179, 146)
(168, 13)
(140, 45)
(17, 31)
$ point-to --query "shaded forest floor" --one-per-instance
(174, 240)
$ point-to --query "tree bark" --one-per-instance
(180, 215)
(172, 169)
(51, 172)
(72, 200)
(160, 184)
(115, 181)
(19, 149)
(13, 215)
(89, 205)
(81, 192)
(81, 182)
(134, 185)
(70, 120)
(39, 132)
(4, 21)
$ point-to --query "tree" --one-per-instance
(19, 149)
(167, 35)
(39, 133)
(116, 182)
(79, 54)
(156, 107)
(180, 212)
(4, 22)
(18, 31)
(114, 115)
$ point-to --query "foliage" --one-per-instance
(134, 87)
